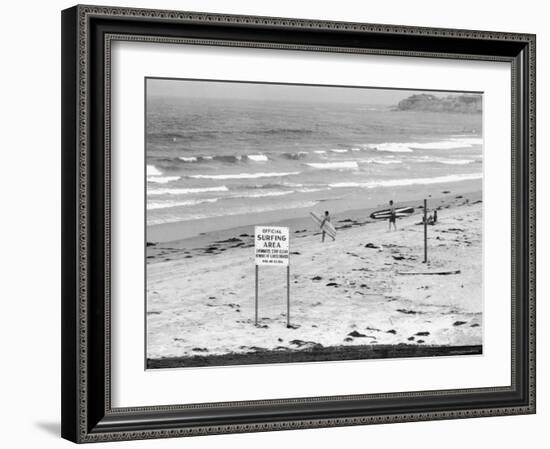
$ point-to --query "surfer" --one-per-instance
(326, 219)
(392, 217)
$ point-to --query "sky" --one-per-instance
(279, 92)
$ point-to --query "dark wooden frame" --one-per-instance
(87, 33)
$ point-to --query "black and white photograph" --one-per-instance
(280, 219)
(308, 223)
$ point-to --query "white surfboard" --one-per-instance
(386, 213)
(327, 226)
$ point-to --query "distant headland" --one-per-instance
(466, 103)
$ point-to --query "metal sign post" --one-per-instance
(288, 295)
(425, 231)
(256, 298)
(271, 247)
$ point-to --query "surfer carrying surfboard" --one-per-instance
(392, 217)
(324, 225)
(326, 219)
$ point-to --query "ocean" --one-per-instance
(211, 158)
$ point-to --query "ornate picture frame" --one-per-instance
(87, 35)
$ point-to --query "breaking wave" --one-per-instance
(246, 175)
(258, 157)
(153, 171)
(408, 182)
(169, 204)
(186, 191)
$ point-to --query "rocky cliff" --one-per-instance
(466, 103)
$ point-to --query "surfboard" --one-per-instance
(327, 226)
(385, 214)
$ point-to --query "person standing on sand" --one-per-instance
(392, 217)
(326, 218)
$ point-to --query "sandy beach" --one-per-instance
(354, 298)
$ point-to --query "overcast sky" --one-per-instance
(281, 92)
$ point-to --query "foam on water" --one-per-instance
(381, 161)
(407, 182)
(446, 161)
(266, 194)
(407, 147)
(390, 147)
(245, 175)
(441, 145)
(162, 179)
(258, 157)
(455, 161)
(186, 191)
(153, 171)
(151, 205)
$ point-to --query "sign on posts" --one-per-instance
(272, 248)
(271, 245)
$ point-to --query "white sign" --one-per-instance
(271, 245)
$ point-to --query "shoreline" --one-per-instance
(357, 203)
(216, 242)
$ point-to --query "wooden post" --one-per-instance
(256, 298)
(288, 295)
(425, 231)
